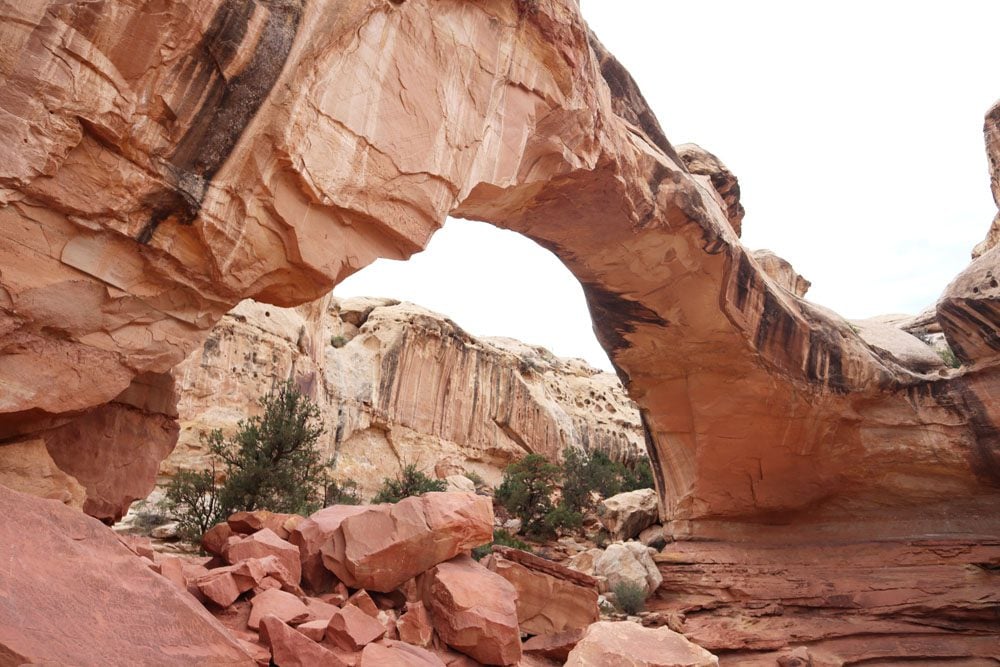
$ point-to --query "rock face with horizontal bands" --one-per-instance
(62, 568)
(474, 611)
(631, 645)
(385, 545)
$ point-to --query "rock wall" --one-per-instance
(398, 384)
(163, 165)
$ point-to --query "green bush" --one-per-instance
(272, 462)
(503, 538)
(526, 492)
(475, 478)
(409, 482)
(949, 357)
(588, 473)
(563, 518)
(338, 341)
(341, 493)
(192, 500)
(630, 598)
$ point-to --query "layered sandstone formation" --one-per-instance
(398, 384)
(161, 166)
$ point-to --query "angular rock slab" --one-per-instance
(385, 545)
(310, 536)
(291, 648)
(550, 598)
(264, 543)
(627, 644)
(474, 611)
(72, 594)
(391, 653)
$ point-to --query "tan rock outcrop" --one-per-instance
(399, 384)
(631, 645)
(628, 562)
(385, 545)
(781, 272)
(627, 514)
(59, 566)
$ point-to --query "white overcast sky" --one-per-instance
(855, 129)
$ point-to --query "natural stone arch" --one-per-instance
(150, 186)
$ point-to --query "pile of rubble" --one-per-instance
(394, 584)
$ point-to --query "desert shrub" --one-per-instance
(192, 500)
(475, 478)
(272, 462)
(949, 357)
(409, 482)
(338, 341)
(638, 476)
(148, 516)
(503, 538)
(588, 473)
(341, 493)
(563, 518)
(526, 492)
(630, 597)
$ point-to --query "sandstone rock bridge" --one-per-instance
(164, 160)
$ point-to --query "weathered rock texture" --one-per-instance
(150, 184)
(72, 594)
(931, 601)
(398, 384)
(160, 166)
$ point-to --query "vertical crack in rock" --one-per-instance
(229, 101)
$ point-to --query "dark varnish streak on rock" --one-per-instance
(229, 104)
(776, 330)
(614, 316)
(960, 398)
(627, 99)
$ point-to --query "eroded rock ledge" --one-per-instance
(399, 384)
(268, 150)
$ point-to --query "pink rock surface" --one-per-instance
(474, 611)
(631, 645)
(70, 572)
(274, 602)
(414, 626)
(390, 653)
(385, 545)
(290, 648)
(311, 535)
(266, 543)
(352, 629)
